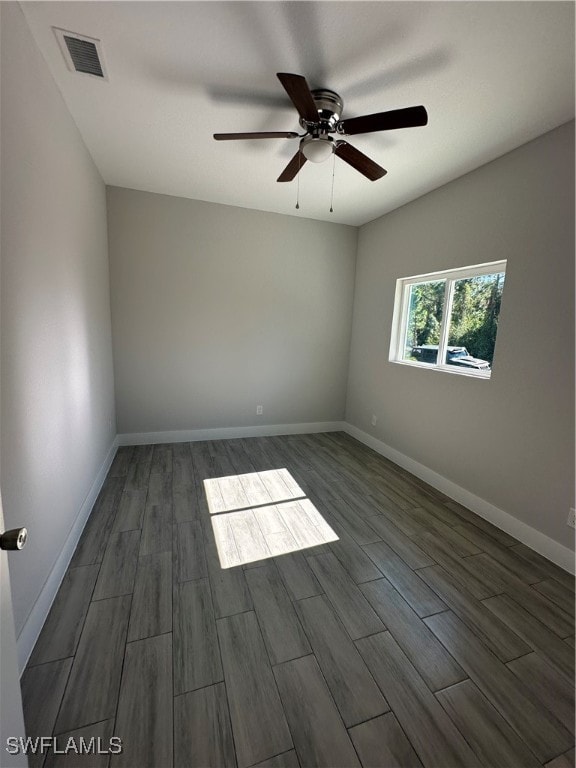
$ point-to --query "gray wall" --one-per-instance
(57, 407)
(217, 309)
(509, 440)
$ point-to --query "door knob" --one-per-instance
(13, 539)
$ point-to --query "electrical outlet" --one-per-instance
(374, 419)
(572, 518)
(259, 410)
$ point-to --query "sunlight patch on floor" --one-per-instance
(259, 515)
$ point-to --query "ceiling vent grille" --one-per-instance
(82, 54)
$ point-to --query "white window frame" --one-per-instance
(400, 318)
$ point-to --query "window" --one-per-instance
(448, 320)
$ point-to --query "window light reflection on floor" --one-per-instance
(259, 515)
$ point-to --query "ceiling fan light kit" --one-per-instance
(317, 148)
(320, 112)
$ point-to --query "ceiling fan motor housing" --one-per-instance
(329, 105)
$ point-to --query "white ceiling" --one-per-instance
(492, 75)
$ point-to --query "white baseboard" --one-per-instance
(544, 545)
(227, 433)
(37, 616)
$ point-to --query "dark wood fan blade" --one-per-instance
(297, 88)
(271, 135)
(384, 121)
(292, 168)
(359, 161)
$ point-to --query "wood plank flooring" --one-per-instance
(311, 604)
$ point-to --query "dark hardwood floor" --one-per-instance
(361, 619)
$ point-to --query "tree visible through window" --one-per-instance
(449, 319)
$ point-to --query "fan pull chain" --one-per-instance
(332, 192)
(298, 183)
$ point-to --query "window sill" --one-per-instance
(478, 375)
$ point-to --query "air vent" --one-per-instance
(82, 54)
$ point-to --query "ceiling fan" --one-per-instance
(320, 110)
